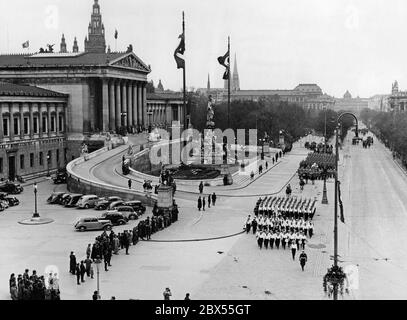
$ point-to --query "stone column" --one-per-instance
(140, 104)
(130, 121)
(179, 114)
(112, 115)
(30, 107)
(21, 121)
(2, 107)
(105, 98)
(11, 126)
(124, 103)
(49, 119)
(144, 101)
(118, 105)
(135, 103)
(40, 108)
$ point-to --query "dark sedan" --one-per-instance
(12, 201)
(104, 204)
(11, 187)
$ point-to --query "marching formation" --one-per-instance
(313, 167)
(286, 207)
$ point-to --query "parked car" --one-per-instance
(4, 203)
(60, 176)
(115, 204)
(12, 201)
(62, 198)
(92, 223)
(74, 200)
(127, 211)
(88, 201)
(65, 200)
(2, 208)
(53, 196)
(103, 204)
(115, 217)
(136, 205)
(11, 187)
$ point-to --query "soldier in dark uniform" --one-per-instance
(254, 225)
(199, 203)
(303, 259)
(203, 203)
(214, 198)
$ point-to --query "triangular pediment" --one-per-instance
(130, 61)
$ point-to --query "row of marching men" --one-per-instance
(288, 207)
(276, 231)
(279, 224)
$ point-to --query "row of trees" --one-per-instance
(389, 127)
(267, 115)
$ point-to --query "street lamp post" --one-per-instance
(36, 214)
(48, 165)
(335, 285)
(98, 262)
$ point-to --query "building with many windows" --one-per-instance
(106, 90)
(32, 130)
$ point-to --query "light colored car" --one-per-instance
(87, 201)
(127, 212)
(93, 223)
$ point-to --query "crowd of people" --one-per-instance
(317, 166)
(106, 245)
(34, 287)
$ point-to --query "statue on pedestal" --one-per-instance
(210, 124)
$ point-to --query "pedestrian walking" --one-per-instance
(187, 297)
(88, 250)
(254, 225)
(203, 203)
(267, 165)
(72, 263)
(126, 242)
(267, 240)
(278, 240)
(78, 273)
(88, 264)
(199, 203)
(303, 259)
(83, 271)
(129, 183)
(248, 223)
(167, 294)
(310, 229)
(293, 249)
(201, 187)
(214, 198)
(209, 201)
(272, 240)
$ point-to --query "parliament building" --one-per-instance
(67, 96)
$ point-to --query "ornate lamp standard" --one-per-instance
(98, 262)
(335, 275)
(36, 214)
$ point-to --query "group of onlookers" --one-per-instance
(34, 287)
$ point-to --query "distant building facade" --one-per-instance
(348, 103)
(32, 130)
(397, 99)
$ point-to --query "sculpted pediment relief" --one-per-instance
(130, 61)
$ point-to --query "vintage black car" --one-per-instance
(116, 218)
(74, 200)
(12, 201)
(103, 204)
(136, 205)
(60, 176)
(62, 199)
(53, 198)
(11, 187)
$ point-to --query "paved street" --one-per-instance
(204, 253)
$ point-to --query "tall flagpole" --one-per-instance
(229, 83)
(184, 77)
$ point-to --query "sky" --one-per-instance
(341, 45)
